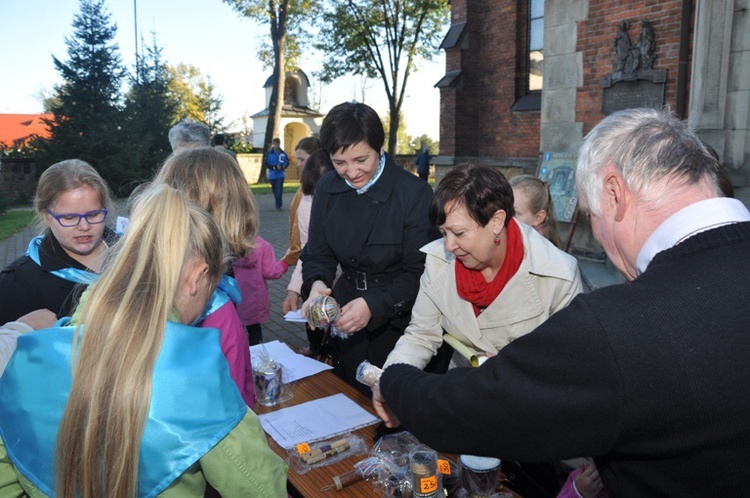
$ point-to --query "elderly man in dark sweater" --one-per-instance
(651, 377)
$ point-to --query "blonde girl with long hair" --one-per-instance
(116, 405)
(533, 205)
(213, 180)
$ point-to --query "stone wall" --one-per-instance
(250, 165)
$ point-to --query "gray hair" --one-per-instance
(189, 133)
(646, 146)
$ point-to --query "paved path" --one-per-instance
(274, 227)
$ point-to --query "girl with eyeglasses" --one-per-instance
(72, 201)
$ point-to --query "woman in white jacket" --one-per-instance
(489, 279)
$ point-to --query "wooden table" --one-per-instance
(309, 485)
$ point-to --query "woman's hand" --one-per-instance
(355, 316)
(290, 303)
(381, 408)
(318, 288)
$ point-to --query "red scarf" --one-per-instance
(473, 287)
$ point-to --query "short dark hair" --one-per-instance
(350, 123)
(482, 190)
(219, 139)
(318, 164)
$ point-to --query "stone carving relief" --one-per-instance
(633, 81)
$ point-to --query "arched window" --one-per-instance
(291, 86)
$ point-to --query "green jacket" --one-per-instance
(241, 464)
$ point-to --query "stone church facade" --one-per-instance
(529, 76)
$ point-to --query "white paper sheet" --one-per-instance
(295, 316)
(315, 420)
(293, 366)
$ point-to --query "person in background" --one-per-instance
(651, 377)
(317, 165)
(276, 162)
(219, 145)
(304, 149)
(116, 404)
(423, 163)
(72, 202)
(370, 218)
(252, 272)
(213, 180)
(188, 134)
(534, 206)
(35, 320)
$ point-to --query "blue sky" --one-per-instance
(205, 33)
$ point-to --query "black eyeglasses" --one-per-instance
(73, 219)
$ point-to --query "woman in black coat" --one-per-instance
(369, 217)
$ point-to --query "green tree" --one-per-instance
(416, 144)
(209, 102)
(284, 18)
(195, 96)
(87, 107)
(381, 40)
(402, 138)
(150, 110)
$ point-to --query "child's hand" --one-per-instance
(290, 303)
(588, 483)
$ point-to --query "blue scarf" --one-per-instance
(75, 275)
(194, 404)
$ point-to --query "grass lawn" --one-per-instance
(14, 221)
(265, 188)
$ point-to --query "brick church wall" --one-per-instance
(595, 38)
(476, 118)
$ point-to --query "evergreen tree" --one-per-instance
(150, 111)
(87, 107)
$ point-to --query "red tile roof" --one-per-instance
(20, 127)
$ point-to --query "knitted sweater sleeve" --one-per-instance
(551, 394)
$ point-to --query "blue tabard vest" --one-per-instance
(194, 404)
(227, 290)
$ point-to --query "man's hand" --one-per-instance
(381, 408)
